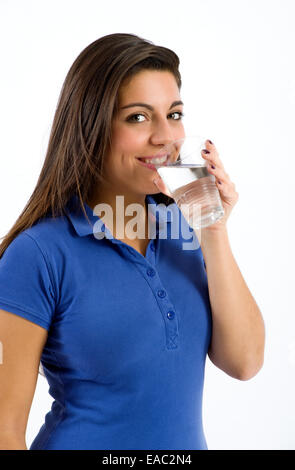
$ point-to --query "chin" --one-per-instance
(154, 191)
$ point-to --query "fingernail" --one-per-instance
(212, 166)
(210, 142)
(205, 151)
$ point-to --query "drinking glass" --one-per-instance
(191, 185)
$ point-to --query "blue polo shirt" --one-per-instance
(128, 334)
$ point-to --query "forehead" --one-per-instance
(149, 85)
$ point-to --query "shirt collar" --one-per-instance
(83, 228)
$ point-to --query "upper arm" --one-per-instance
(22, 343)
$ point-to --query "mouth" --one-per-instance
(151, 161)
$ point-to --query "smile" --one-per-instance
(156, 160)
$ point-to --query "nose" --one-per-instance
(162, 133)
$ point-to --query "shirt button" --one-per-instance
(170, 315)
(161, 293)
(151, 272)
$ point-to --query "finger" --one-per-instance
(213, 159)
(210, 146)
(225, 185)
(227, 192)
(210, 154)
(219, 173)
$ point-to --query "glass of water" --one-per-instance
(191, 185)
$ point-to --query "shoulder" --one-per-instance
(48, 234)
(46, 245)
(48, 227)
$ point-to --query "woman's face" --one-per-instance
(149, 116)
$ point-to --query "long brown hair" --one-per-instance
(81, 129)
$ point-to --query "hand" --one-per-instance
(225, 186)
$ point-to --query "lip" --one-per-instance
(154, 156)
(150, 165)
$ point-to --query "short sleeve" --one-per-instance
(26, 288)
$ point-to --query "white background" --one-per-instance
(237, 65)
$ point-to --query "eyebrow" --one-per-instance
(148, 106)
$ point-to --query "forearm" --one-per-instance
(10, 441)
(238, 335)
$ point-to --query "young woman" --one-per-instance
(122, 325)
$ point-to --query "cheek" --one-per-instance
(180, 132)
(127, 141)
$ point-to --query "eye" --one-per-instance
(133, 118)
(177, 113)
(138, 117)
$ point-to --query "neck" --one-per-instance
(114, 210)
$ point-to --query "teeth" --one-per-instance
(155, 160)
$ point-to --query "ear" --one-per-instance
(161, 186)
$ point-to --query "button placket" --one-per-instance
(151, 272)
(170, 319)
(171, 325)
(164, 304)
(171, 315)
(161, 293)
(167, 310)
